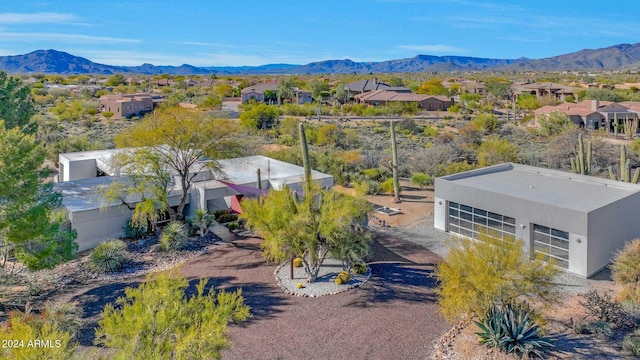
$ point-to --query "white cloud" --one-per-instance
(65, 38)
(432, 48)
(36, 18)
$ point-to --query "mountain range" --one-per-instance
(610, 58)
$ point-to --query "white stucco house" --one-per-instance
(82, 173)
(579, 221)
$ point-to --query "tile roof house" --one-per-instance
(256, 92)
(363, 86)
(543, 89)
(126, 105)
(386, 97)
(594, 114)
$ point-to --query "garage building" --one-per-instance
(579, 221)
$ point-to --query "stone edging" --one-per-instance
(343, 287)
(445, 343)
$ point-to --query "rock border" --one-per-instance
(358, 279)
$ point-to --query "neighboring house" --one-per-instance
(577, 221)
(465, 86)
(83, 173)
(594, 114)
(256, 92)
(126, 105)
(386, 97)
(363, 86)
(544, 89)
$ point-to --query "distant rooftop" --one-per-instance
(552, 187)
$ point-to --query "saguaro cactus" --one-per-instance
(625, 169)
(394, 165)
(305, 160)
(581, 164)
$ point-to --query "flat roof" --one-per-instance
(80, 195)
(552, 187)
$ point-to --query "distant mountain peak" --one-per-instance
(60, 62)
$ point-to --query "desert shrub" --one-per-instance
(225, 218)
(478, 273)
(359, 268)
(174, 236)
(201, 221)
(430, 131)
(601, 329)
(108, 257)
(626, 270)
(157, 320)
(134, 232)
(421, 180)
(494, 151)
(57, 324)
(581, 326)
(233, 226)
(367, 187)
(297, 262)
(376, 174)
(631, 343)
(604, 308)
(387, 186)
(511, 329)
(344, 276)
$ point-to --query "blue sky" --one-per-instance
(248, 32)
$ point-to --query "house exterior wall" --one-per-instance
(77, 169)
(98, 225)
(259, 97)
(610, 227)
(432, 104)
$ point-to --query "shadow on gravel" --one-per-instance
(397, 282)
(92, 302)
(566, 345)
(263, 299)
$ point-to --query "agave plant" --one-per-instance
(511, 328)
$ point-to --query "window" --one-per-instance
(550, 244)
(469, 221)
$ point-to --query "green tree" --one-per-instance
(432, 87)
(52, 325)
(16, 105)
(421, 180)
(286, 90)
(528, 102)
(317, 89)
(115, 80)
(476, 274)
(177, 139)
(497, 88)
(554, 123)
(308, 228)
(494, 151)
(342, 94)
(260, 117)
(488, 123)
(158, 321)
(330, 134)
(30, 217)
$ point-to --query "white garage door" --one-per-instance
(469, 221)
(550, 244)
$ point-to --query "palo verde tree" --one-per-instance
(286, 90)
(476, 274)
(16, 104)
(158, 321)
(308, 228)
(30, 217)
(145, 190)
(179, 141)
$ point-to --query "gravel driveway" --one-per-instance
(393, 316)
